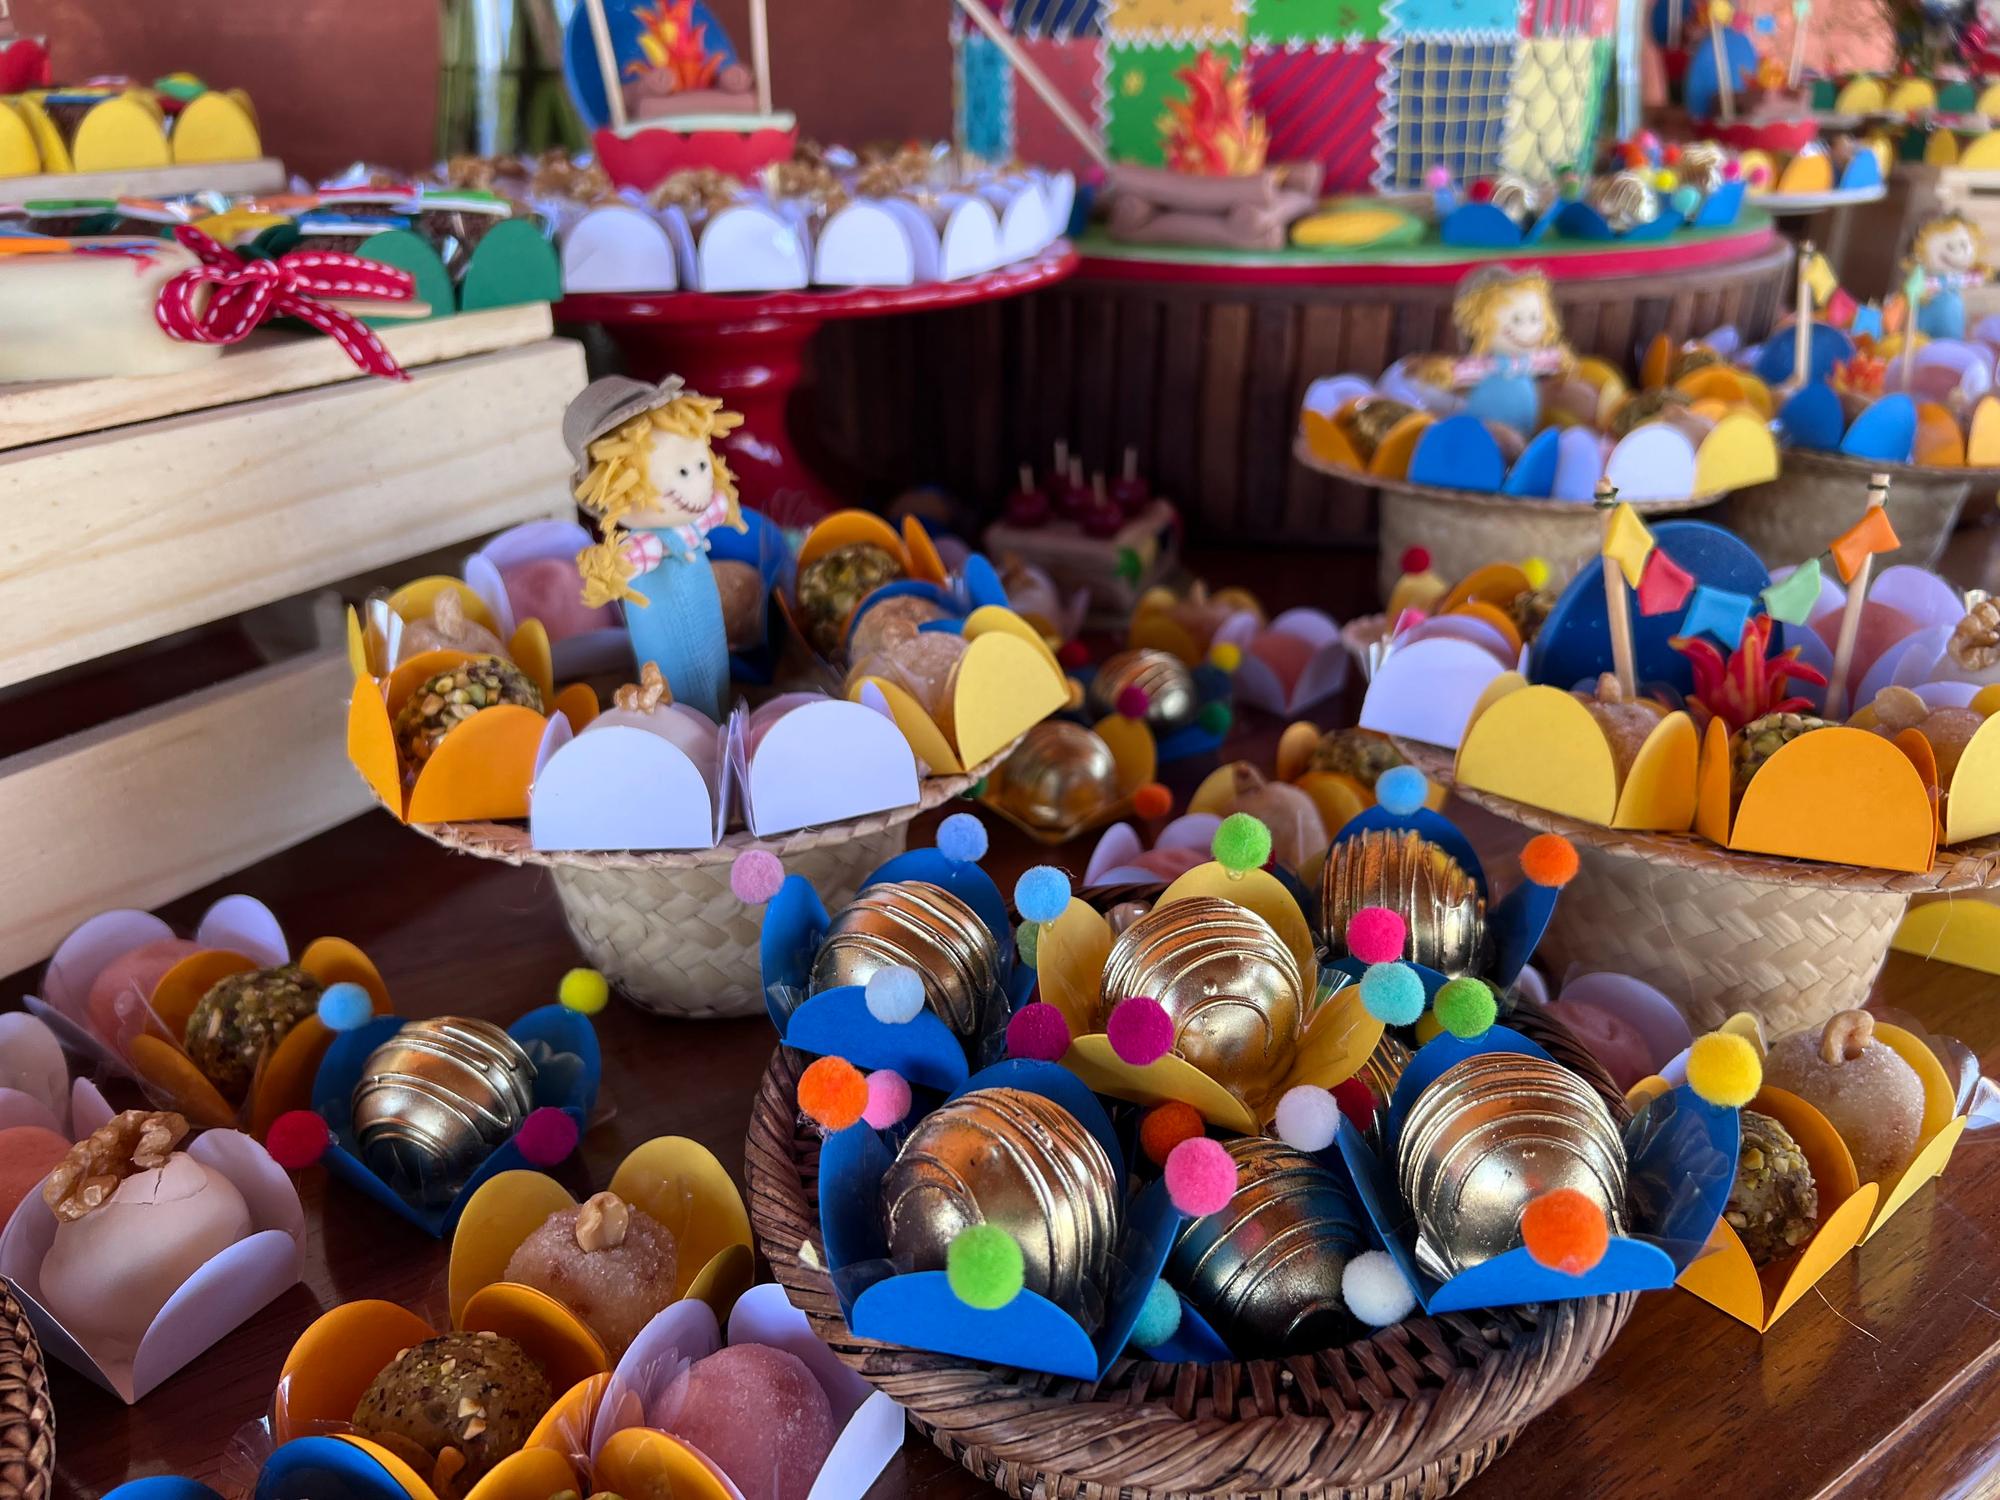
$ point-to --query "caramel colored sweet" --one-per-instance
(1774, 1207)
(1360, 753)
(1948, 730)
(476, 1395)
(1863, 1087)
(743, 598)
(241, 1018)
(1626, 722)
(607, 1261)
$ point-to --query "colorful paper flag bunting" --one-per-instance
(1628, 543)
(1868, 320)
(1719, 613)
(1913, 286)
(1870, 536)
(1792, 601)
(1664, 584)
(1821, 280)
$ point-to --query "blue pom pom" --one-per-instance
(961, 838)
(1393, 993)
(1159, 1318)
(345, 1006)
(1401, 790)
(1042, 894)
(895, 995)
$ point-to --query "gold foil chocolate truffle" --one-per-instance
(454, 695)
(1163, 677)
(1265, 1272)
(1414, 878)
(435, 1098)
(241, 1018)
(830, 586)
(1228, 983)
(134, 1220)
(1371, 420)
(608, 1261)
(476, 1395)
(1060, 776)
(1864, 1088)
(1016, 1160)
(1489, 1136)
(916, 925)
(1774, 1206)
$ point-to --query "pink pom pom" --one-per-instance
(546, 1137)
(756, 876)
(1038, 1032)
(297, 1139)
(1375, 935)
(1140, 1030)
(1357, 1101)
(1133, 702)
(1438, 177)
(888, 1099)
(1201, 1177)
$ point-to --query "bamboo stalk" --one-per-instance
(607, 62)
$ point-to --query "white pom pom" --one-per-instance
(1375, 1290)
(894, 995)
(1308, 1118)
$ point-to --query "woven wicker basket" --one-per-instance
(1820, 495)
(1410, 1413)
(664, 926)
(1718, 932)
(1467, 529)
(27, 1417)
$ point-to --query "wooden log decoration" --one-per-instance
(1252, 211)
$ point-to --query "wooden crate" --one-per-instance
(135, 509)
(266, 174)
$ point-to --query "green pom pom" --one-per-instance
(1027, 941)
(1215, 718)
(984, 1267)
(974, 792)
(1241, 843)
(1465, 1007)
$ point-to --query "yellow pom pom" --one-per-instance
(1536, 571)
(583, 991)
(1226, 655)
(1724, 1069)
(1665, 181)
(1721, 12)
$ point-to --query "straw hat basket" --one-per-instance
(1410, 1412)
(1817, 496)
(1718, 932)
(27, 1418)
(664, 926)
(1467, 529)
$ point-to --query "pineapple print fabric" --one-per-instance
(1552, 106)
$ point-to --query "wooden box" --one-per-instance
(138, 508)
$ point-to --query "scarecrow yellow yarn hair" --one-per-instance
(619, 483)
(1937, 224)
(1479, 299)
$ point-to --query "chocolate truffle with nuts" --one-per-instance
(452, 1407)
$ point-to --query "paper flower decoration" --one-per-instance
(560, 1045)
(1121, 858)
(678, 1182)
(529, 572)
(123, 986)
(230, 1286)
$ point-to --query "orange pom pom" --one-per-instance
(1166, 1126)
(832, 1093)
(1549, 859)
(1565, 1231)
(1152, 801)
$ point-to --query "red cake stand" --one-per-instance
(749, 348)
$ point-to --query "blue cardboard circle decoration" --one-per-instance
(1700, 89)
(1812, 418)
(325, 1468)
(1458, 454)
(1575, 642)
(579, 53)
(1886, 431)
(1479, 226)
(1829, 346)
(1534, 473)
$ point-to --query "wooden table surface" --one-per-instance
(1881, 1381)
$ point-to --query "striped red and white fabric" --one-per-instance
(1322, 105)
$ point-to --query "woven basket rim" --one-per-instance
(1962, 867)
(1847, 463)
(509, 843)
(1385, 1405)
(1481, 499)
(28, 1448)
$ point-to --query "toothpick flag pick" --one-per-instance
(1627, 543)
(1801, 14)
(1719, 613)
(1803, 320)
(1913, 295)
(1820, 277)
(1720, 13)
(1854, 555)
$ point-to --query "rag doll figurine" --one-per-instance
(1513, 333)
(1949, 252)
(647, 468)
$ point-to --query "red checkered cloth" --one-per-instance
(1073, 65)
(1323, 107)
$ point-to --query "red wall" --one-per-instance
(340, 80)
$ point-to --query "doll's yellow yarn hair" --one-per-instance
(1936, 225)
(1478, 303)
(619, 483)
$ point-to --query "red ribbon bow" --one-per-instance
(249, 292)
